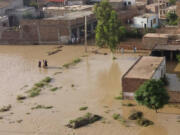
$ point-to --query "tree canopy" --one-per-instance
(172, 2)
(172, 18)
(108, 26)
(152, 94)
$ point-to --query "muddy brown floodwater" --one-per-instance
(94, 82)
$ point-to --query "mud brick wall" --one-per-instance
(150, 42)
(131, 84)
(174, 96)
(130, 45)
(125, 15)
(10, 36)
(48, 29)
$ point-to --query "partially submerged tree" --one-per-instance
(108, 26)
(152, 94)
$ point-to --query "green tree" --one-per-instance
(108, 26)
(172, 2)
(152, 94)
(172, 18)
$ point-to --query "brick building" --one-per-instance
(145, 68)
(54, 30)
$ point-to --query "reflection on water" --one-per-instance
(109, 81)
(173, 75)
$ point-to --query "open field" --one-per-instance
(91, 81)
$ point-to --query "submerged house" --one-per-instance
(145, 68)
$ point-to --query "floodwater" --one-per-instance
(96, 80)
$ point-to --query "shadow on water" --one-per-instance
(53, 67)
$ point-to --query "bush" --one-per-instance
(178, 58)
(116, 116)
(172, 18)
(83, 108)
(20, 97)
(134, 33)
(152, 94)
(5, 108)
(41, 107)
(83, 121)
(135, 116)
(129, 104)
(144, 122)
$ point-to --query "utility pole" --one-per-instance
(38, 4)
(85, 33)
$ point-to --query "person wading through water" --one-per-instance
(39, 64)
(45, 63)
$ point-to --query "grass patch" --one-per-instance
(5, 108)
(39, 84)
(19, 121)
(56, 73)
(42, 107)
(83, 108)
(119, 118)
(118, 98)
(28, 113)
(116, 116)
(74, 62)
(114, 58)
(88, 118)
(21, 97)
(34, 92)
(43, 82)
(54, 89)
(36, 89)
(47, 80)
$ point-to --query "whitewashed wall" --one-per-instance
(139, 21)
(161, 71)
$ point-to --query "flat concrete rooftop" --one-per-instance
(156, 35)
(71, 8)
(71, 16)
(167, 47)
(146, 15)
(145, 67)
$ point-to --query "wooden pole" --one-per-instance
(85, 33)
